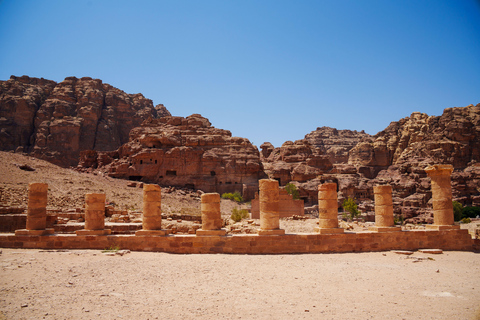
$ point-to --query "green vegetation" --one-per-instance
(292, 190)
(465, 220)
(470, 212)
(351, 207)
(460, 213)
(113, 248)
(398, 219)
(239, 214)
(457, 211)
(236, 196)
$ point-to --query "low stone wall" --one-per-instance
(454, 239)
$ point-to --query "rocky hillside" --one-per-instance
(55, 121)
(398, 156)
(177, 151)
(321, 151)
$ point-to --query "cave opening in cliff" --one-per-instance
(212, 173)
(135, 178)
(171, 173)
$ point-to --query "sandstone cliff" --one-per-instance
(55, 121)
(306, 159)
(177, 151)
(398, 156)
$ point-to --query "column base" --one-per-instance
(440, 227)
(384, 229)
(84, 232)
(220, 232)
(274, 232)
(329, 230)
(25, 232)
(151, 232)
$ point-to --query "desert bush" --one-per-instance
(236, 196)
(239, 214)
(351, 207)
(465, 220)
(292, 190)
(457, 210)
(471, 212)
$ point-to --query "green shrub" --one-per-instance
(239, 214)
(457, 210)
(465, 220)
(351, 207)
(292, 190)
(471, 212)
(236, 196)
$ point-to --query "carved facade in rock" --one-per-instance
(177, 151)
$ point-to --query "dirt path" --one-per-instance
(87, 284)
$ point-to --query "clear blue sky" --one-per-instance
(265, 70)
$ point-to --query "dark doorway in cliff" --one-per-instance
(212, 173)
(135, 178)
(279, 181)
(190, 186)
(171, 173)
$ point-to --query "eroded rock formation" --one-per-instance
(177, 151)
(398, 156)
(55, 121)
(306, 159)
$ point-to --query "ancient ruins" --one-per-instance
(270, 238)
(93, 127)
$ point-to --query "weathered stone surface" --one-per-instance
(177, 151)
(55, 121)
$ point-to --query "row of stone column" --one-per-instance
(269, 209)
(384, 221)
(95, 213)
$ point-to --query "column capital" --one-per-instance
(439, 170)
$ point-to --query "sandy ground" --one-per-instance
(87, 284)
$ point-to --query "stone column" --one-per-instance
(442, 196)
(328, 209)
(37, 211)
(94, 215)
(383, 209)
(269, 216)
(211, 217)
(152, 211)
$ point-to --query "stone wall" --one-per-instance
(454, 239)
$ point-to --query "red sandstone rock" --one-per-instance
(177, 151)
(55, 121)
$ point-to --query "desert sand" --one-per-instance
(89, 284)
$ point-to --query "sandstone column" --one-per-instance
(269, 216)
(442, 196)
(328, 209)
(94, 215)
(211, 217)
(37, 211)
(383, 209)
(152, 211)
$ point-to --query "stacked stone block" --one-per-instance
(211, 217)
(37, 211)
(269, 211)
(328, 209)
(94, 215)
(442, 196)
(383, 209)
(152, 211)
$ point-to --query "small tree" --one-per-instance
(350, 206)
(457, 211)
(292, 190)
